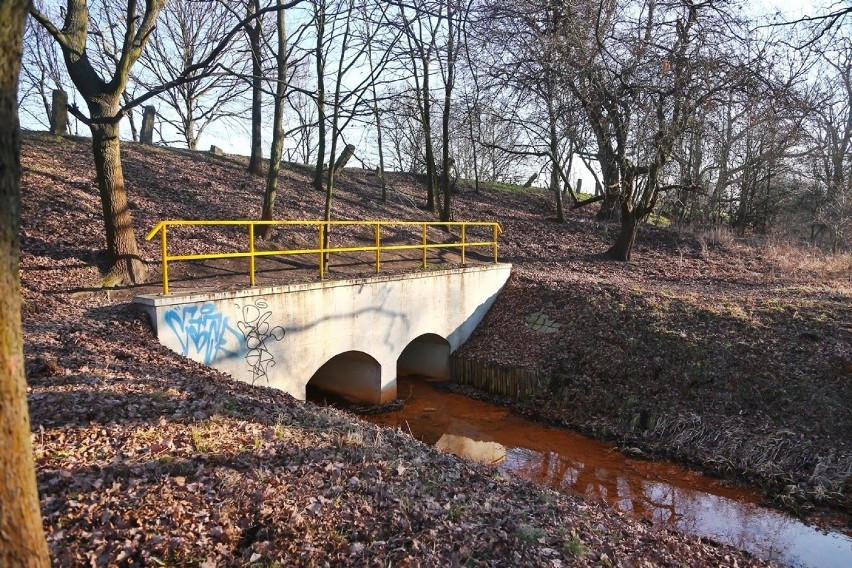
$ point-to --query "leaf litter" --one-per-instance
(146, 458)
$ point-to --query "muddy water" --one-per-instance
(662, 492)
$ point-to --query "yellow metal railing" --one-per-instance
(322, 249)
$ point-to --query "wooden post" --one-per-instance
(59, 112)
(147, 134)
(531, 179)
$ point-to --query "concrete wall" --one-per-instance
(281, 336)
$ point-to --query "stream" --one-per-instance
(662, 492)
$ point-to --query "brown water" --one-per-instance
(660, 491)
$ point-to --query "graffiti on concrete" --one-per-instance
(257, 333)
(203, 332)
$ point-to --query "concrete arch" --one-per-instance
(427, 355)
(352, 374)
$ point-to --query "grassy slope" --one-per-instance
(142, 453)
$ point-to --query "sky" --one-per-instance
(234, 137)
(235, 140)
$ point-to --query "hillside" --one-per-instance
(144, 457)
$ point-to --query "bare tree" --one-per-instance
(457, 17)
(42, 71)
(377, 115)
(640, 74)
(320, 53)
(104, 94)
(22, 541)
(832, 137)
(420, 20)
(527, 38)
(351, 101)
(254, 32)
(277, 146)
(188, 32)
(304, 109)
(405, 132)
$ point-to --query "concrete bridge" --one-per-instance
(351, 337)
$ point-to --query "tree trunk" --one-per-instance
(319, 56)
(191, 135)
(623, 247)
(255, 38)
(431, 170)
(609, 204)
(22, 541)
(377, 115)
(449, 82)
(611, 189)
(556, 189)
(382, 179)
(555, 167)
(277, 127)
(125, 263)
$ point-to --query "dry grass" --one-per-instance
(807, 263)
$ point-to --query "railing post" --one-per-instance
(495, 242)
(378, 246)
(424, 246)
(463, 241)
(164, 248)
(321, 250)
(251, 252)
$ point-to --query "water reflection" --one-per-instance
(488, 453)
(662, 492)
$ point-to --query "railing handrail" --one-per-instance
(321, 250)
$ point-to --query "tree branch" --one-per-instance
(187, 76)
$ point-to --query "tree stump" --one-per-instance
(344, 157)
(147, 134)
(59, 113)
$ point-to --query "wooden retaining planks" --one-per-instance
(518, 382)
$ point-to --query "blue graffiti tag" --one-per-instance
(257, 332)
(202, 330)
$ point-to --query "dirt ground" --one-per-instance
(146, 458)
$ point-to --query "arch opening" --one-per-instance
(353, 375)
(427, 356)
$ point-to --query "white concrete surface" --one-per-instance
(282, 336)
